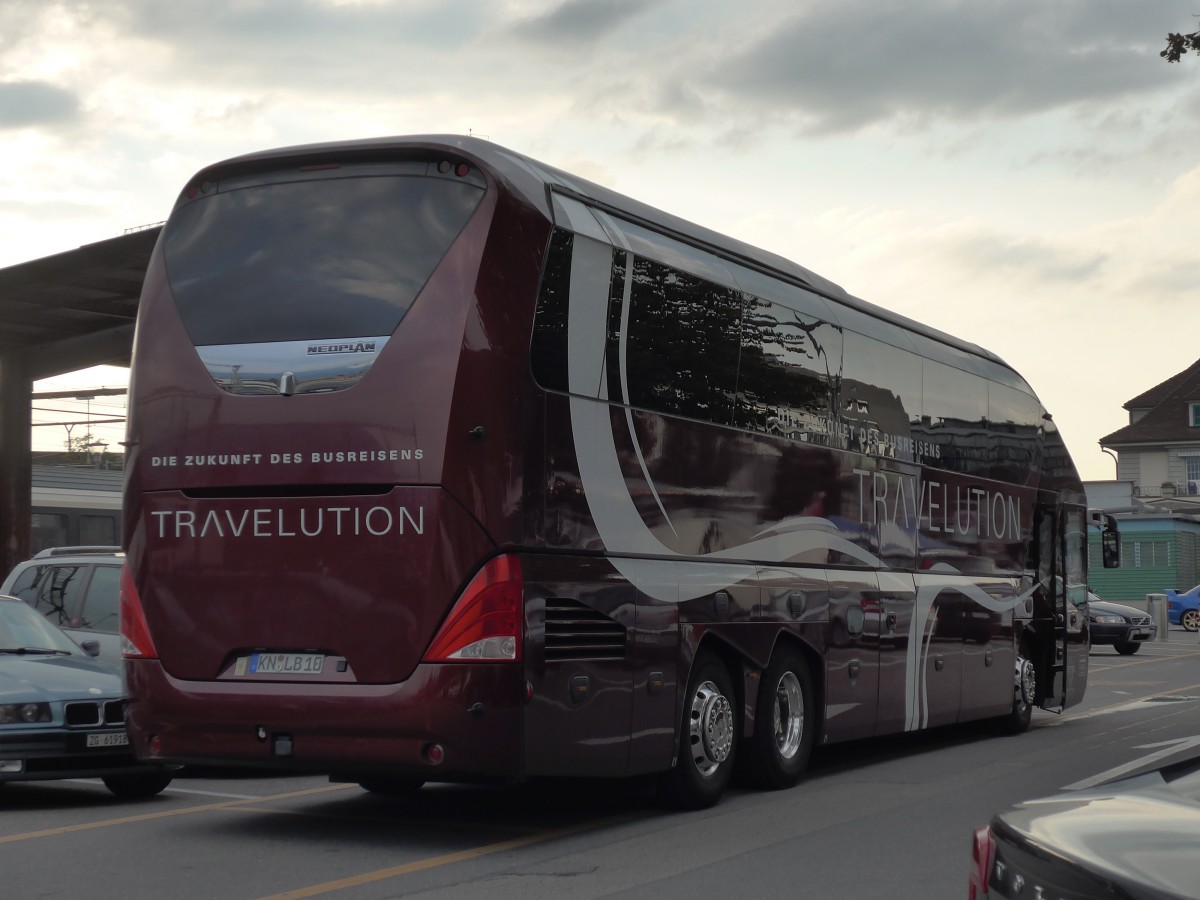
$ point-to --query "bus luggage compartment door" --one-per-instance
(600, 666)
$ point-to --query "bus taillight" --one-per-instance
(486, 622)
(135, 633)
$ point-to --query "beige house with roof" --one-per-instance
(1158, 454)
(1159, 450)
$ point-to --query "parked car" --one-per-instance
(62, 712)
(1136, 837)
(1184, 608)
(76, 588)
(1125, 627)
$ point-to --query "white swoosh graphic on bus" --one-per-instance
(672, 577)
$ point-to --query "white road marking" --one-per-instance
(1169, 748)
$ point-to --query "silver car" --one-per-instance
(76, 588)
(62, 713)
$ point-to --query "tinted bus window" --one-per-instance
(682, 343)
(1013, 418)
(548, 349)
(306, 259)
(784, 375)
(677, 255)
(879, 402)
(954, 408)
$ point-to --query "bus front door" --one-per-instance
(1072, 633)
(1065, 661)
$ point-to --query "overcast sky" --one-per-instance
(1024, 174)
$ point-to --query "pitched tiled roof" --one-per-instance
(1160, 392)
(1167, 420)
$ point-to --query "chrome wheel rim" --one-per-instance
(710, 730)
(787, 715)
(1025, 680)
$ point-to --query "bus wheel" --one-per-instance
(391, 785)
(707, 740)
(777, 754)
(1024, 693)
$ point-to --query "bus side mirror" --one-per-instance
(1110, 548)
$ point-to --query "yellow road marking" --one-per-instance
(1122, 661)
(165, 814)
(1128, 700)
(444, 860)
(340, 884)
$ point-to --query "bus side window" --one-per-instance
(682, 343)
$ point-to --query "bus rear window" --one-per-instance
(313, 258)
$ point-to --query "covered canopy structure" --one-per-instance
(58, 314)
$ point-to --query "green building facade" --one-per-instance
(1157, 552)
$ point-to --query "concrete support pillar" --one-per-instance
(16, 467)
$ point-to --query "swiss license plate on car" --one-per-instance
(281, 664)
(108, 740)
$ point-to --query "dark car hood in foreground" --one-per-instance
(1142, 833)
(29, 678)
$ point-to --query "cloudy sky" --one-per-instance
(1024, 174)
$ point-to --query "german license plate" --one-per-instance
(281, 664)
(108, 740)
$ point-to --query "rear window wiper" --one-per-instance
(35, 650)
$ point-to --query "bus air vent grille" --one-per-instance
(576, 631)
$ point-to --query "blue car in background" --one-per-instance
(1184, 608)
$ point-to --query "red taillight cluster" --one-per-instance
(135, 633)
(487, 622)
(983, 854)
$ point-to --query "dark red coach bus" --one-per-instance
(444, 464)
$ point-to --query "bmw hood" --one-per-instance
(28, 678)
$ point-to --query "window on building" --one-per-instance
(1139, 554)
(1193, 474)
(1194, 414)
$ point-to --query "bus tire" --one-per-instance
(707, 738)
(391, 785)
(777, 753)
(1024, 692)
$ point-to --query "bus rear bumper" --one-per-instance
(472, 714)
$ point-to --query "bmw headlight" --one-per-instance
(24, 713)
